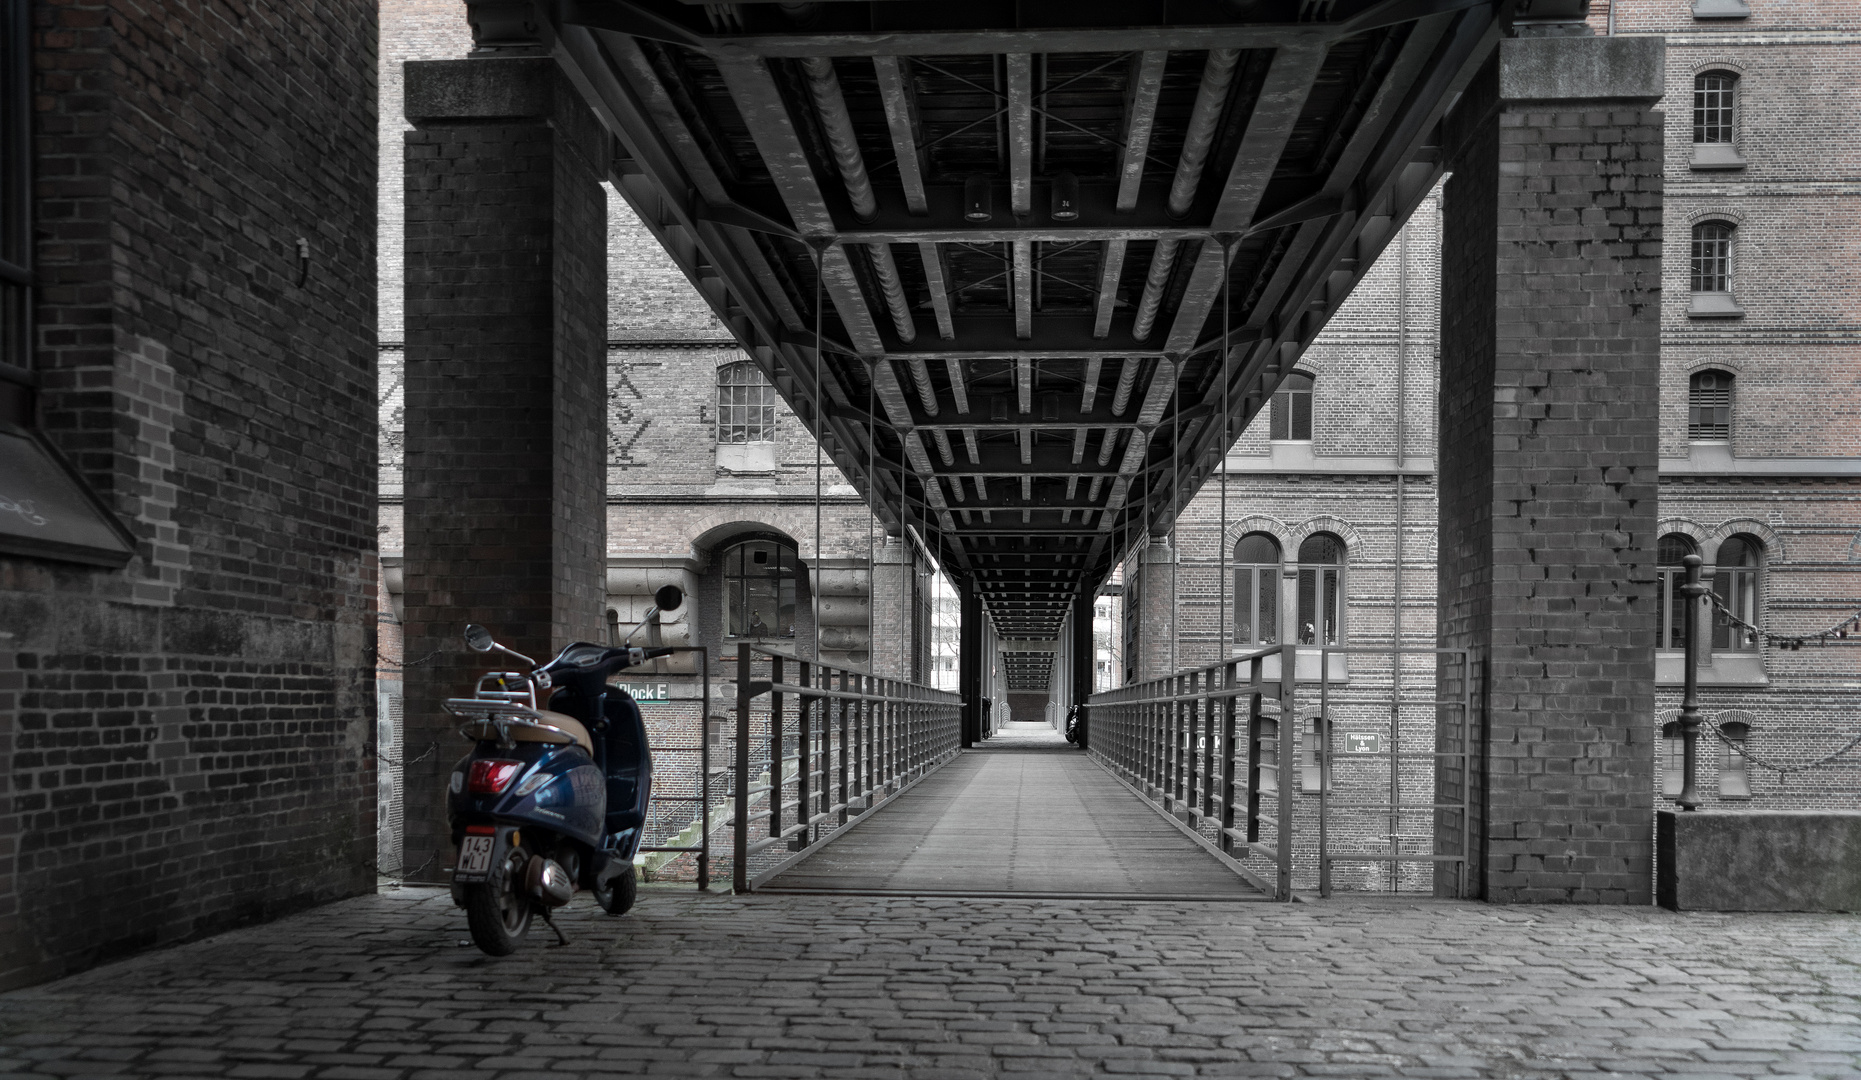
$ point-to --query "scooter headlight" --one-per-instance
(533, 781)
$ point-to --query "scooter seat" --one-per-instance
(566, 723)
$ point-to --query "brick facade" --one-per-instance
(506, 288)
(188, 740)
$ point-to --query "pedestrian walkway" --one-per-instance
(843, 987)
(1024, 814)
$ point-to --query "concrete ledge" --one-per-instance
(1759, 860)
(1582, 68)
(480, 89)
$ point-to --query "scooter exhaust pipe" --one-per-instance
(547, 882)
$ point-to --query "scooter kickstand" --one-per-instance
(560, 939)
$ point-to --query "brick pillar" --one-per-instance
(1158, 615)
(891, 609)
(969, 660)
(506, 396)
(1549, 393)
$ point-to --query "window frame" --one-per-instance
(737, 547)
(1724, 113)
(1694, 405)
(1742, 587)
(16, 262)
(1254, 573)
(1284, 411)
(1721, 270)
(1734, 763)
(1670, 614)
(755, 419)
(1320, 572)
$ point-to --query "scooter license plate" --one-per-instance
(475, 856)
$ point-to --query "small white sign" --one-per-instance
(648, 691)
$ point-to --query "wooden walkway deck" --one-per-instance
(1024, 815)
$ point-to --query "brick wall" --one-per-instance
(1550, 357)
(186, 740)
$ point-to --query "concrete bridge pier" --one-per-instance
(506, 391)
(1550, 365)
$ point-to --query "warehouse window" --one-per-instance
(1321, 590)
(1734, 780)
(1709, 407)
(1713, 254)
(1735, 580)
(15, 196)
(1292, 409)
(745, 405)
(1715, 96)
(1672, 573)
(759, 590)
(1256, 590)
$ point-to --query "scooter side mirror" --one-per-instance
(478, 638)
(668, 598)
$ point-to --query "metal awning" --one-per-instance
(1017, 216)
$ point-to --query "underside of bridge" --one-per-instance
(1057, 254)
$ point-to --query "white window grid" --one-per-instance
(745, 405)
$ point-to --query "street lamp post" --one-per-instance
(1689, 701)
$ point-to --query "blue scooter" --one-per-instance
(553, 796)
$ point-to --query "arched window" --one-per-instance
(1734, 780)
(1713, 267)
(1292, 409)
(1321, 590)
(759, 590)
(1256, 590)
(1715, 95)
(745, 404)
(1673, 574)
(1709, 406)
(1735, 579)
(613, 627)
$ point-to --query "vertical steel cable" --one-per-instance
(872, 514)
(1221, 539)
(1176, 492)
(820, 430)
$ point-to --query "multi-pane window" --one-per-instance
(1712, 257)
(745, 405)
(1734, 780)
(1714, 96)
(1673, 759)
(15, 186)
(759, 590)
(1709, 406)
(1292, 409)
(1735, 579)
(1256, 590)
(1321, 590)
(1672, 573)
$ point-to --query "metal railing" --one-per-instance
(835, 742)
(660, 799)
(1211, 747)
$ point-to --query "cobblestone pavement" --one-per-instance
(808, 986)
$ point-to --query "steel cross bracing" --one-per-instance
(1018, 213)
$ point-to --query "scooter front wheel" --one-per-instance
(497, 911)
(618, 895)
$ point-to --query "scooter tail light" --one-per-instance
(491, 776)
(481, 830)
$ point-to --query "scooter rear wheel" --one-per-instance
(497, 911)
(618, 895)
